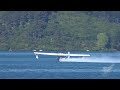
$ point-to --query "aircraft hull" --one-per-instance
(71, 59)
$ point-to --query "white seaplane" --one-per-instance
(63, 57)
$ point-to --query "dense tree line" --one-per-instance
(60, 30)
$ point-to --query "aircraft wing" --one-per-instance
(60, 54)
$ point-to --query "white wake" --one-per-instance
(92, 60)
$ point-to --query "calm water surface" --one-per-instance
(24, 65)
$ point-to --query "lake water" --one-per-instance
(24, 65)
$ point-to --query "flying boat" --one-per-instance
(62, 57)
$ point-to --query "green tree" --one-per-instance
(102, 41)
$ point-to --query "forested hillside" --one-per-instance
(60, 30)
